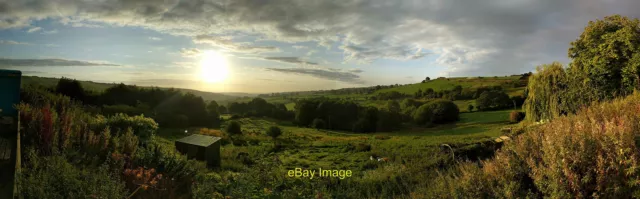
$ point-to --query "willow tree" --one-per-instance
(545, 91)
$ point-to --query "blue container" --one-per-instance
(9, 92)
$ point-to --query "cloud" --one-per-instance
(356, 71)
(34, 29)
(227, 44)
(300, 47)
(323, 74)
(11, 42)
(468, 37)
(49, 32)
(155, 38)
(49, 62)
(190, 52)
(291, 60)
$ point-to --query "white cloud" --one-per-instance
(49, 32)
(11, 42)
(34, 29)
(155, 38)
(190, 52)
(227, 44)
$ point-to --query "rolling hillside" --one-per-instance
(99, 87)
(449, 83)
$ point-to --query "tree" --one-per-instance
(393, 106)
(222, 109)
(212, 106)
(274, 132)
(437, 112)
(470, 108)
(545, 92)
(71, 88)
(234, 128)
(318, 124)
(607, 54)
(491, 100)
(428, 78)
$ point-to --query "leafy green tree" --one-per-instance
(212, 106)
(607, 54)
(437, 112)
(234, 128)
(470, 108)
(393, 106)
(318, 124)
(71, 88)
(491, 100)
(274, 132)
(545, 92)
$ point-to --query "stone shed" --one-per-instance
(201, 147)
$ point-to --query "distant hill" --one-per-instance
(99, 87)
(449, 83)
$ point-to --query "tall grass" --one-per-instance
(591, 154)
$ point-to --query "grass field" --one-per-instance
(450, 83)
(311, 148)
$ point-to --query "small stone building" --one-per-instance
(201, 147)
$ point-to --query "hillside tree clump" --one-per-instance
(493, 100)
(233, 128)
(436, 112)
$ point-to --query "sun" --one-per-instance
(213, 67)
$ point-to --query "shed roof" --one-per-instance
(199, 140)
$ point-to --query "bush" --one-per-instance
(318, 124)
(274, 132)
(516, 116)
(492, 100)
(591, 154)
(143, 127)
(437, 112)
(54, 177)
(234, 128)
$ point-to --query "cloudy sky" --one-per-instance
(289, 45)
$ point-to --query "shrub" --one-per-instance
(234, 128)
(437, 112)
(318, 124)
(143, 127)
(54, 177)
(516, 116)
(274, 132)
(591, 154)
(362, 147)
(492, 100)
(470, 108)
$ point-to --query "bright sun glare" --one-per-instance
(213, 67)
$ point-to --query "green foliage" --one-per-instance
(607, 54)
(274, 132)
(591, 154)
(436, 112)
(71, 88)
(318, 124)
(493, 100)
(233, 128)
(55, 177)
(143, 127)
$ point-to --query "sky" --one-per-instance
(263, 46)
